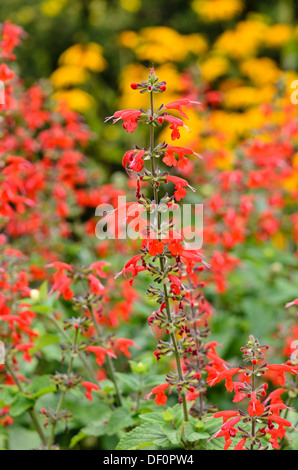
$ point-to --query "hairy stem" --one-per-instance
(60, 403)
(108, 361)
(162, 265)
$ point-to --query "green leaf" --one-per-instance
(147, 434)
(76, 439)
(156, 416)
(43, 309)
(21, 405)
(43, 341)
(119, 419)
(22, 439)
(190, 434)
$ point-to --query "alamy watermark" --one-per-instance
(294, 95)
(2, 92)
(2, 353)
(163, 221)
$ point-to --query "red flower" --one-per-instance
(178, 105)
(279, 369)
(255, 407)
(123, 344)
(170, 160)
(89, 387)
(130, 119)
(155, 247)
(175, 123)
(215, 377)
(160, 396)
(180, 183)
(100, 353)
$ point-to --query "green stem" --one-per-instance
(162, 264)
(60, 403)
(253, 419)
(108, 361)
(31, 411)
(80, 355)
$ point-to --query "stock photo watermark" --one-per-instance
(294, 95)
(166, 221)
(2, 92)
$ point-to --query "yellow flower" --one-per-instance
(53, 7)
(162, 44)
(214, 67)
(291, 183)
(89, 56)
(217, 10)
(246, 96)
(129, 39)
(261, 71)
(244, 41)
(131, 5)
(278, 34)
(68, 75)
(76, 99)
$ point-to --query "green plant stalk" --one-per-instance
(60, 403)
(31, 411)
(81, 357)
(253, 419)
(108, 361)
(161, 260)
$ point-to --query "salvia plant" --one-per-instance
(78, 317)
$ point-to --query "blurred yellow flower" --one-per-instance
(129, 39)
(214, 67)
(243, 41)
(246, 96)
(291, 183)
(53, 7)
(236, 125)
(161, 44)
(225, 159)
(76, 99)
(295, 160)
(68, 75)
(278, 34)
(217, 10)
(89, 56)
(131, 5)
(261, 70)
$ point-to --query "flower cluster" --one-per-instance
(262, 417)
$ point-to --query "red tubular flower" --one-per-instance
(175, 123)
(155, 247)
(131, 267)
(89, 386)
(170, 159)
(280, 369)
(130, 119)
(122, 344)
(101, 353)
(180, 183)
(159, 392)
(255, 408)
(216, 377)
(240, 444)
(61, 280)
(177, 105)
(175, 284)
